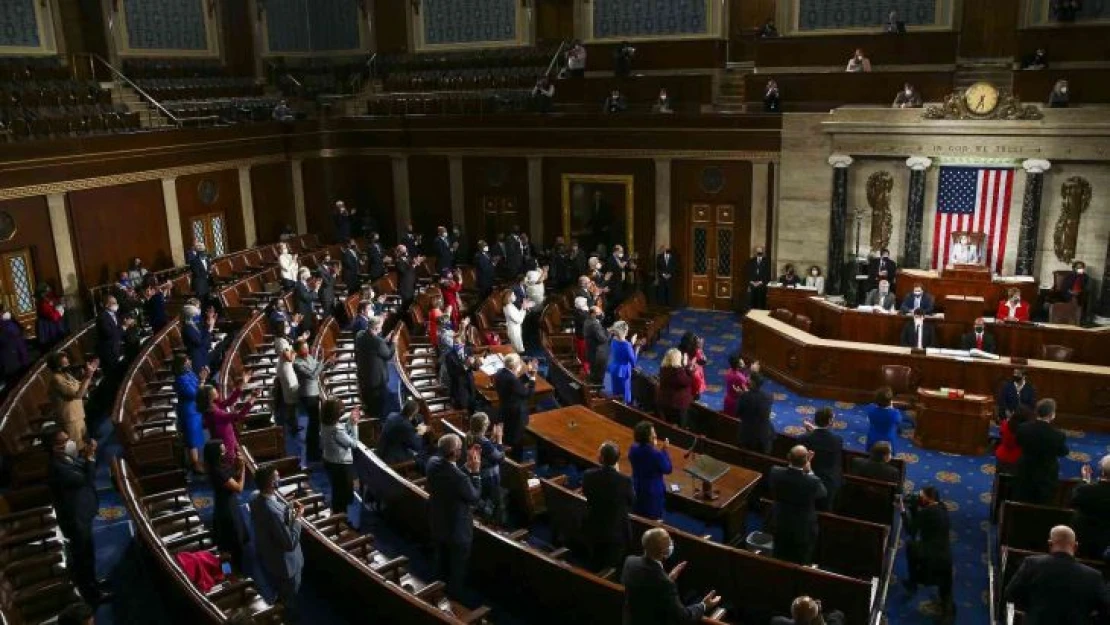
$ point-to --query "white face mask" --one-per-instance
(670, 551)
(113, 308)
(71, 448)
(61, 309)
(7, 316)
(813, 273)
(918, 293)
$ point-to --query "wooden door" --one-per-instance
(554, 21)
(711, 273)
(499, 215)
(212, 230)
(17, 286)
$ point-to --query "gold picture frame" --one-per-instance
(577, 186)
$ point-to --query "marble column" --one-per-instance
(915, 211)
(1102, 313)
(838, 222)
(300, 214)
(246, 200)
(662, 204)
(1029, 227)
(401, 200)
(63, 245)
(535, 201)
(173, 221)
(758, 237)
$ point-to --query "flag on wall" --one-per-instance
(973, 199)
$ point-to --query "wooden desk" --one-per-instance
(484, 383)
(580, 431)
(788, 298)
(957, 425)
(849, 371)
(941, 285)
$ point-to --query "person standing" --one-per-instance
(109, 336)
(609, 499)
(342, 221)
(350, 264)
(1091, 502)
(666, 268)
(796, 491)
(187, 384)
(483, 271)
(929, 550)
(491, 505)
(452, 494)
(623, 354)
(68, 394)
(227, 480)
(736, 384)
(1038, 469)
(308, 370)
(196, 334)
(828, 454)
(71, 476)
(650, 462)
(515, 310)
(445, 253)
(406, 280)
(372, 356)
(753, 409)
(650, 592)
(199, 268)
(1054, 589)
(597, 345)
(515, 384)
(338, 441)
(673, 395)
(1018, 392)
(758, 272)
(277, 536)
(883, 418)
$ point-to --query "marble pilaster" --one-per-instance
(838, 220)
(915, 211)
(1028, 229)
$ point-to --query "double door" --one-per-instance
(712, 273)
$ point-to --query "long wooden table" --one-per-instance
(484, 383)
(834, 369)
(941, 286)
(579, 431)
(1023, 340)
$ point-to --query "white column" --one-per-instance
(401, 200)
(535, 200)
(458, 192)
(662, 204)
(173, 220)
(63, 244)
(246, 200)
(758, 235)
(299, 213)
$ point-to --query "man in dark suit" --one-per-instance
(460, 371)
(1091, 502)
(326, 288)
(1054, 589)
(615, 267)
(514, 254)
(406, 280)
(650, 592)
(304, 296)
(199, 266)
(72, 482)
(828, 454)
(758, 272)
(1076, 284)
(109, 336)
(807, 611)
(917, 300)
(1016, 392)
(483, 270)
(583, 291)
(342, 219)
(597, 344)
(400, 439)
(375, 258)
(351, 267)
(796, 491)
(979, 338)
(608, 502)
(411, 241)
(877, 466)
(445, 254)
(881, 297)
(918, 334)
(277, 540)
(577, 260)
(666, 268)
(883, 268)
(1042, 445)
(753, 408)
(929, 552)
(452, 495)
(515, 384)
(372, 356)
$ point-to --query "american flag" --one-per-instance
(973, 199)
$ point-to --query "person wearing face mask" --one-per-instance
(515, 311)
(288, 387)
(445, 253)
(411, 241)
(1042, 446)
(858, 62)
(662, 103)
(917, 334)
(154, 304)
(650, 461)
(907, 98)
(1013, 308)
(1018, 391)
(666, 267)
(401, 438)
(460, 373)
(109, 335)
(373, 354)
(515, 384)
(917, 300)
(186, 384)
(13, 347)
(351, 265)
(454, 488)
(199, 268)
(71, 476)
(772, 98)
(651, 593)
(137, 272)
(789, 278)
(883, 268)
(343, 221)
(881, 299)
(1059, 98)
(597, 345)
(1075, 285)
(67, 393)
(277, 532)
(796, 490)
(979, 338)
(376, 258)
(50, 325)
(196, 334)
(758, 272)
(814, 280)
(614, 103)
(483, 270)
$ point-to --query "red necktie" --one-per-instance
(978, 341)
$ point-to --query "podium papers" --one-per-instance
(492, 363)
(707, 470)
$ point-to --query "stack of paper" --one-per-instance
(492, 363)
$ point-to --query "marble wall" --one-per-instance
(805, 191)
(1094, 231)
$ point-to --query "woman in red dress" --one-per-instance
(1013, 308)
(450, 285)
(435, 316)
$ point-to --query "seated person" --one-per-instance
(883, 268)
(1035, 61)
(877, 465)
(978, 338)
(881, 297)
(614, 103)
(815, 280)
(768, 30)
(1015, 393)
(401, 438)
(788, 277)
(1013, 308)
(1075, 284)
(858, 62)
(543, 94)
(662, 103)
(965, 252)
(772, 102)
(917, 300)
(907, 98)
(918, 334)
(894, 26)
(1059, 97)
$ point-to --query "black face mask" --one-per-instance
(978, 329)
(1018, 379)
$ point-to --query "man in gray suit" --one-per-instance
(882, 298)
(372, 356)
(277, 534)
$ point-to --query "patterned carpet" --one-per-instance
(964, 481)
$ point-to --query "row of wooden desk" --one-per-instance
(1023, 340)
(852, 371)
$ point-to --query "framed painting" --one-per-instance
(598, 210)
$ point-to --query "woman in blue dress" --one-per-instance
(884, 418)
(622, 360)
(186, 384)
(650, 462)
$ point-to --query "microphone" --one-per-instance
(693, 446)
